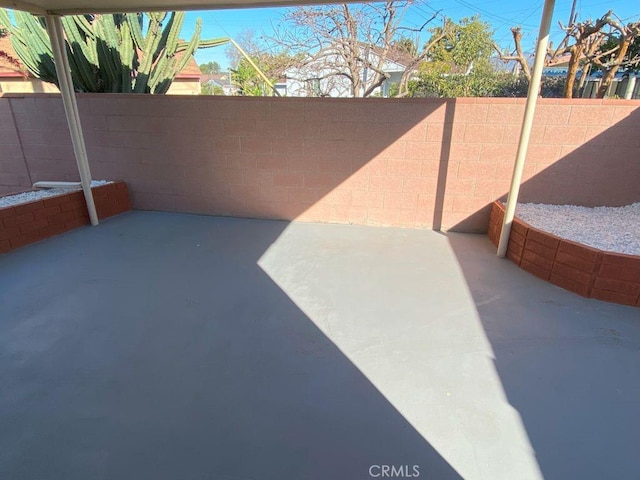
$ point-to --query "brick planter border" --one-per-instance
(31, 222)
(587, 271)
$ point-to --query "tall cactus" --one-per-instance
(118, 53)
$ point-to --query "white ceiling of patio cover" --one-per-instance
(104, 6)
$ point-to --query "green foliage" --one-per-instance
(633, 53)
(210, 89)
(248, 80)
(210, 67)
(406, 45)
(483, 83)
(464, 45)
(118, 53)
(460, 66)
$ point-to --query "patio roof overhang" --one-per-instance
(73, 7)
(54, 9)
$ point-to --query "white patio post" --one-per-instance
(63, 71)
(527, 123)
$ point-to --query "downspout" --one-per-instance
(63, 72)
(527, 124)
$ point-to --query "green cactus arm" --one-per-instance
(81, 83)
(27, 60)
(213, 42)
(110, 49)
(163, 77)
(134, 20)
(81, 70)
(5, 20)
(72, 31)
(34, 34)
(191, 48)
(127, 49)
(151, 44)
(108, 71)
(85, 25)
(169, 36)
(82, 58)
(33, 46)
(174, 67)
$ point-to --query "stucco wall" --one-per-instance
(410, 162)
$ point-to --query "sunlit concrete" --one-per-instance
(175, 346)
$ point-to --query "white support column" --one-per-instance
(63, 71)
(527, 123)
(631, 85)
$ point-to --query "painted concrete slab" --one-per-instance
(174, 346)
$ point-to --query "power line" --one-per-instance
(489, 14)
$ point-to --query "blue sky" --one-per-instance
(501, 14)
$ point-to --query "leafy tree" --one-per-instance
(406, 45)
(463, 45)
(248, 80)
(482, 81)
(210, 67)
(209, 89)
(138, 53)
(273, 67)
(460, 63)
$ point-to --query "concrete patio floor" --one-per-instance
(165, 346)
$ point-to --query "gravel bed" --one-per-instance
(612, 229)
(25, 197)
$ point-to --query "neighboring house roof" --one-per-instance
(400, 57)
(7, 69)
(191, 70)
(215, 78)
(560, 60)
(326, 59)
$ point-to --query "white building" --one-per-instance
(327, 75)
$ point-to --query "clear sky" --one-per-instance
(501, 14)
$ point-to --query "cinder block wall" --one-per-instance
(406, 162)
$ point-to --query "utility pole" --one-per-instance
(573, 12)
(572, 19)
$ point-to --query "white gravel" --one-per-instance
(25, 197)
(612, 229)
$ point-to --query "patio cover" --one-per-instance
(53, 9)
(66, 7)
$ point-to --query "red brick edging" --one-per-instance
(587, 271)
(30, 222)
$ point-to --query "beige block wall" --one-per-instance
(26, 85)
(180, 86)
(185, 86)
(419, 163)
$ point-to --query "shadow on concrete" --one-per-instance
(147, 348)
(443, 165)
(568, 365)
